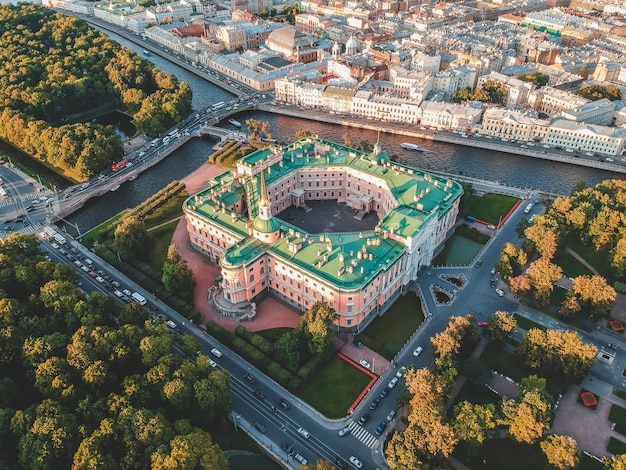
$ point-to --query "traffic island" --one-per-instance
(588, 399)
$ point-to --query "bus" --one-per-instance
(119, 165)
(219, 105)
(140, 299)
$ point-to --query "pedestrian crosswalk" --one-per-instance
(362, 434)
(27, 230)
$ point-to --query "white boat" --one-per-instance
(234, 123)
(133, 178)
(408, 146)
(146, 53)
(115, 188)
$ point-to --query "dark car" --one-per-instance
(364, 419)
(374, 404)
(285, 404)
(385, 392)
(259, 394)
(250, 378)
(358, 344)
(340, 464)
(478, 263)
(381, 427)
(260, 427)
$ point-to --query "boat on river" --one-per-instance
(115, 188)
(234, 123)
(408, 146)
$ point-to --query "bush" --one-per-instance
(281, 375)
(219, 333)
(262, 345)
(620, 287)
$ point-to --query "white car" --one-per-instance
(500, 292)
(304, 432)
(216, 352)
(344, 431)
(212, 363)
(417, 351)
(393, 382)
(401, 372)
(356, 462)
(365, 364)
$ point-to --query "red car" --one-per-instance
(482, 323)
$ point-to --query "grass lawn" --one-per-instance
(617, 415)
(616, 447)
(161, 239)
(598, 259)
(498, 454)
(387, 334)
(588, 463)
(169, 210)
(489, 207)
(557, 297)
(570, 265)
(333, 390)
(619, 393)
(273, 334)
(526, 324)
(458, 250)
(504, 362)
(96, 234)
(475, 393)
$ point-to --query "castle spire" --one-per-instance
(264, 200)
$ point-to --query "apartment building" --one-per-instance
(514, 125)
(590, 138)
(517, 91)
(553, 101)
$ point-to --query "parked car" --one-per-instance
(478, 263)
(365, 364)
(384, 392)
(417, 351)
(344, 431)
(284, 403)
(391, 414)
(401, 372)
(381, 427)
(500, 292)
(374, 404)
(216, 352)
(393, 382)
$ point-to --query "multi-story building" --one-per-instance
(514, 125)
(449, 81)
(589, 138)
(553, 101)
(358, 274)
(517, 91)
(444, 115)
(595, 112)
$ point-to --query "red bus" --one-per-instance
(119, 165)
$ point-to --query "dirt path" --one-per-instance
(582, 260)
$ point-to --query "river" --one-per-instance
(523, 172)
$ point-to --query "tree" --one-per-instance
(561, 451)
(524, 424)
(192, 451)
(302, 133)
(131, 236)
(316, 323)
(177, 278)
(597, 92)
(133, 314)
(542, 275)
(501, 325)
(473, 422)
(403, 452)
(592, 295)
(615, 462)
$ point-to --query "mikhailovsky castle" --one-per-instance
(358, 273)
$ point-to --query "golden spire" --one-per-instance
(264, 201)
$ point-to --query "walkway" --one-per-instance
(582, 260)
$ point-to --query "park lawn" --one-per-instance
(498, 454)
(458, 250)
(503, 361)
(489, 207)
(617, 415)
(388, 334)
(476, 394)
(616, 447)
(526, 324)
(161, 240)
(557, 297)
(273, 334)
(570, 265)
(600, 260)
(98, 233)
(334, 388)
(619, 393)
